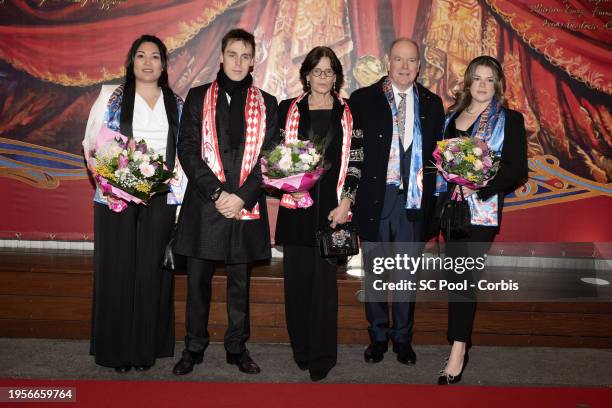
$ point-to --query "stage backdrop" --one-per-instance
(55, 55)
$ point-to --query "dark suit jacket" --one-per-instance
(202, 231)
(372, 114)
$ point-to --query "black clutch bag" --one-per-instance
(455, 218)
(171, 261)
(339, 242)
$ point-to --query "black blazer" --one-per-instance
(202, 231)
(513, 170)
(372, 115)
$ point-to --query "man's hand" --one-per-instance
(229, 205)
(339, 215)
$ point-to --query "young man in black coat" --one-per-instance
(224, 127)
(401, 122)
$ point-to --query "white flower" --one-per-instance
(477, 151)
(285, 163)
(448, 155)
(124, 152)
(137, 155)
(145, 158)
(146, 169)
(477, 165)
(306, 158)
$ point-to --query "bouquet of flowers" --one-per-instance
(127, 169)
(294, 167)
(466, 161)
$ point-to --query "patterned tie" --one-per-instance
(401, 113)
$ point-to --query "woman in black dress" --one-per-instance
(133, 310)
(311, 293)
(480, 111)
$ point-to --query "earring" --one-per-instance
(307, 84)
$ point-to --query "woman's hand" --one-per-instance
(297, 196)
(466, 191)
(339, 215)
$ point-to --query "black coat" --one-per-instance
(202, 231)
(372, 114)
(513, 167)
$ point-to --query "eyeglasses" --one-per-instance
(323, 73)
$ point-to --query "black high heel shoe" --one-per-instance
(447, 379)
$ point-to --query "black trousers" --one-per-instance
(311, 307)
(199, 290)
(462, 305)
(133, 309)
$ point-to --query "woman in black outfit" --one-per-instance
(133, 309)
(480, 111)
(311, 294)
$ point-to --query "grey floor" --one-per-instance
(506, 366)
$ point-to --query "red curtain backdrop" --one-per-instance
(54, 58)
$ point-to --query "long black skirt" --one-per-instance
(133, 310)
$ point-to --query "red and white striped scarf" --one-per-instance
(291, 136)
(255, 119)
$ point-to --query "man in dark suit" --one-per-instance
(224, 127)
(401, 122)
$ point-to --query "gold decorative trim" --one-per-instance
(187, 30)
(546, 45)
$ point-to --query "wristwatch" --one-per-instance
(214, 196)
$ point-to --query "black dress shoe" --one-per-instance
(375, 352)
(302, 365)
(318, 375)
(447, 379)
(123, 369)
(244, 362)
(187, 361)
(141, 368)
(405, 353)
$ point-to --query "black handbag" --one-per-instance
(172, 261)
(455, 218)
(338, 242)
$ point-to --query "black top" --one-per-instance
(513, 169)
(298, 226)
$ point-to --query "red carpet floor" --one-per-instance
(199, 394)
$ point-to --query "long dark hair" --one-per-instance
(463, 98)
(312, 59)
(130, 79)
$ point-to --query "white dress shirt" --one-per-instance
(151, 124)
(409, 123)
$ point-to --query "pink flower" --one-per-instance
(123, 161)
(131, 145)
(448, 155)
(477, 165)
(486, 161)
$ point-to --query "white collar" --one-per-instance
(408, 91)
